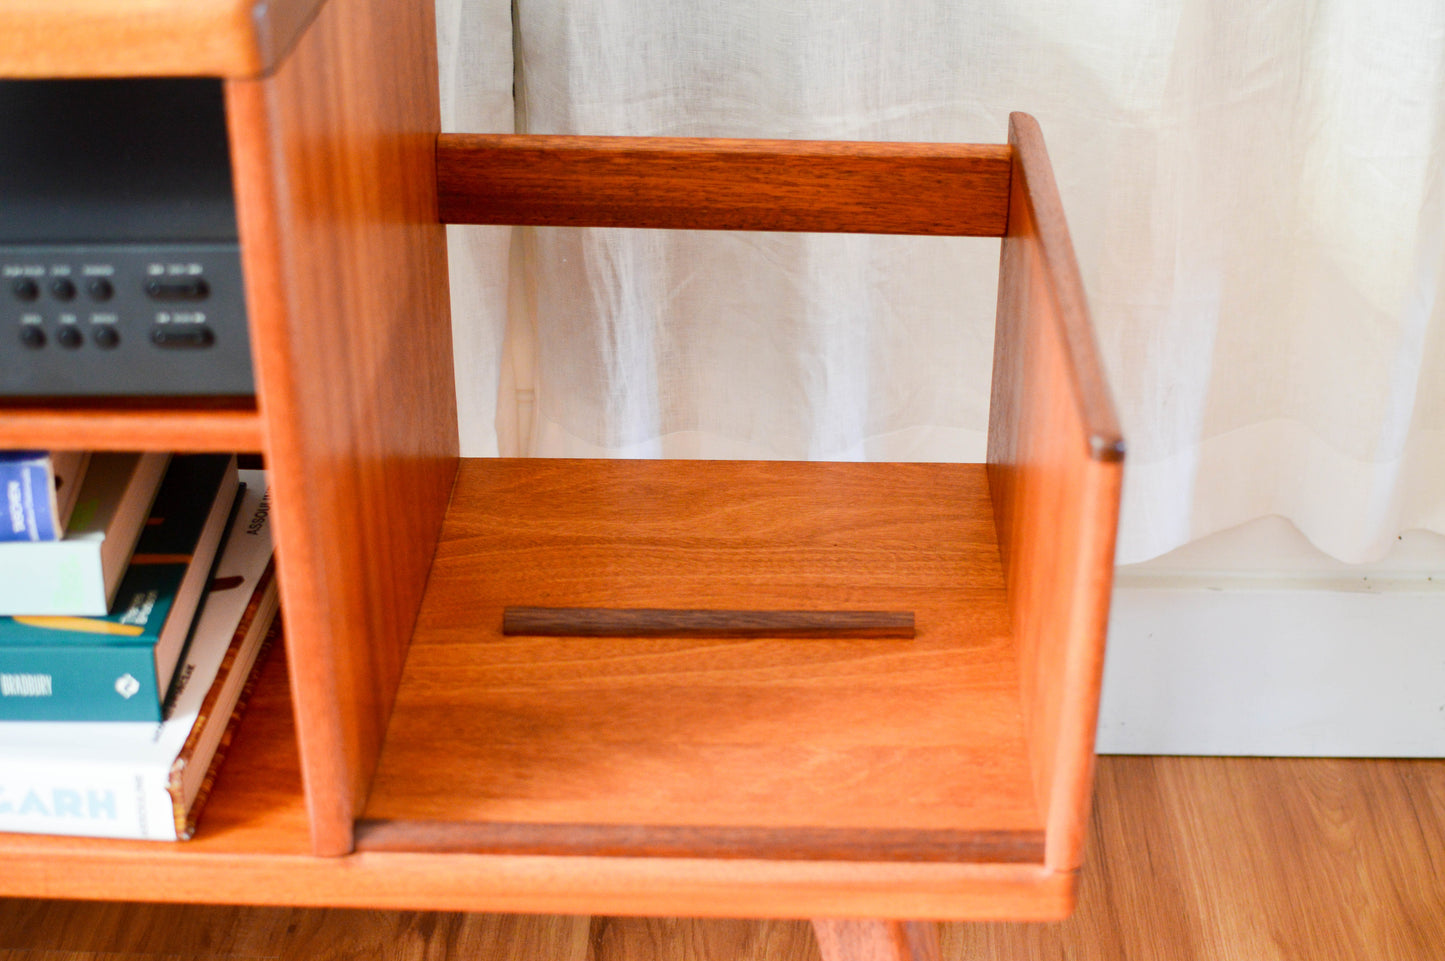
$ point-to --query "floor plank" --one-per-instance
(1190, 859)
(1245, 858)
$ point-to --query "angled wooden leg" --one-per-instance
(877, 940)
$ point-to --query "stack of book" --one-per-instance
(128, 642)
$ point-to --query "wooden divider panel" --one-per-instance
(1055, 462)
(346, 285)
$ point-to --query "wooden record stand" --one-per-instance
(407, 754)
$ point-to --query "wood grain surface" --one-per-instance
(1190, 859)
(253, 847)
(653, 622)
(197, 428)
(147, 38)
(708, 184)
(1055, 469)
(346, 286)
(886, 739)
(843, 940)
(789, 843)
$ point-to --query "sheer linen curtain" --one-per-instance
(474, 54)
(1256, 192)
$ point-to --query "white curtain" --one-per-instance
(1256, 192)
(474, 50)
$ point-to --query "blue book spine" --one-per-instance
(27, 484)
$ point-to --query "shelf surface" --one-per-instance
(849, 749)
(119, 38)
(253, 847)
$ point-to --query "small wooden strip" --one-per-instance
(658, 622)
(712, 184)
(688, 841)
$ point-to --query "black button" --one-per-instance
(100, 289)
(189, 288)
(32, 336)
(105, 336)
(69, 336)
(182, 336)
(62, 288)
(25, 289)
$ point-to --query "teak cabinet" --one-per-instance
(405, 753)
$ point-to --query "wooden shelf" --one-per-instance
(207, 426)
(444, 766)
(254, 847)
(154, 38)
(866, 770)
(865, 750)
(256, 808)
(447, 767)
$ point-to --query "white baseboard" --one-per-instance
(1250, 645)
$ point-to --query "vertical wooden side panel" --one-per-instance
(346, 284)
(1055, 465)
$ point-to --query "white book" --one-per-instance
(79, 573)
(144, 780)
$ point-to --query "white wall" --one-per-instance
(1253, 643)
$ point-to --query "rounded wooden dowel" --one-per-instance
(671, 622)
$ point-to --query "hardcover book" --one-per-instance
(39, 488)
(150, 781)
(81, 572)
(119, 667)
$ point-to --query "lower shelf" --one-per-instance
(734, 778)
(776, 748)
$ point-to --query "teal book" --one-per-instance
(118, 667)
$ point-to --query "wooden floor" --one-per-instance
(1254, 860)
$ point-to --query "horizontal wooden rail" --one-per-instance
(190, 425)
(706, 184)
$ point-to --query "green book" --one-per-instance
(118, 667)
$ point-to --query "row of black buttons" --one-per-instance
(63, 289)
(107, 337)
(99, 289)
(69, 335)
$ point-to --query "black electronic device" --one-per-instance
(120, 270)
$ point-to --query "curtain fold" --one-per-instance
(474, 60)
(1255, 192)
